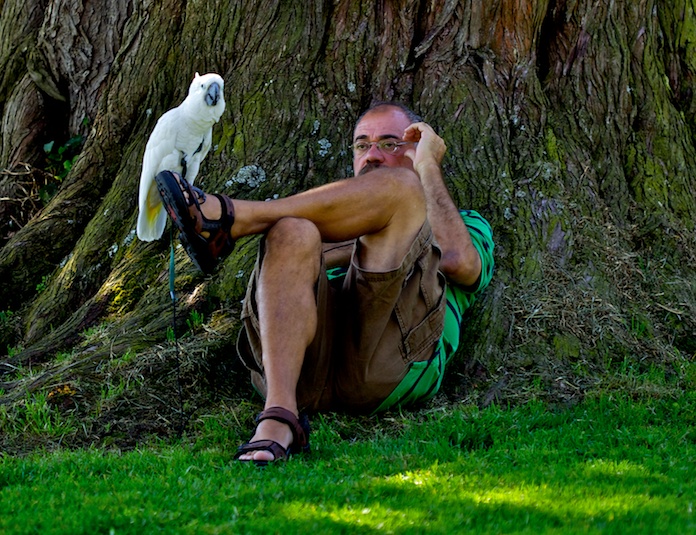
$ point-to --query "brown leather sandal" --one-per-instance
(183, 204)
(300, 436)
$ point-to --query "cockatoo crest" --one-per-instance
(179, 142)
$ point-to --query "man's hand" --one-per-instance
(429, 149)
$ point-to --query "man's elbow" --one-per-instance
(461, 268)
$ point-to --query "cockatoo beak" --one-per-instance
(213, 94)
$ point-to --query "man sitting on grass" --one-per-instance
(357, 296)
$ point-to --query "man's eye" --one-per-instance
(361, 147)
(388, 146)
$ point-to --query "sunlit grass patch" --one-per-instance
(607, 465)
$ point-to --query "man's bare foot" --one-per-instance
(268, 430)
(279, 433)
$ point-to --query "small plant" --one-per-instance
(59, 162)
(124, 359)
(112, 390)
(8, 328)
(62, 356)
(194, 321)
(94, 334)
(640, 326)
(5, 317)
(37, 417)
(13, 350)
(42, 285)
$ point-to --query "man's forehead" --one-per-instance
(383, 122)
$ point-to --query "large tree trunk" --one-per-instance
(569, 124)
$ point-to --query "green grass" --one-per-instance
(35, 417)
(608, 465)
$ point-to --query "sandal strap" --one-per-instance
(227, 218)
(283, 415)
(219, 240)
(279, 452)
(199, 196)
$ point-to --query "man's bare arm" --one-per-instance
(460, 260)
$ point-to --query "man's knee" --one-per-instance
(403, 184)
(412, 188)
(291, 235)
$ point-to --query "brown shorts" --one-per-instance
(371, 327)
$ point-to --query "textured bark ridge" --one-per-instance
(569, 124)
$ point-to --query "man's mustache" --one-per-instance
(370, 166)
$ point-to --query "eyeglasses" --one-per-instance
(387, 146)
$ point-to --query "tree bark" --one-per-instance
(570, 126)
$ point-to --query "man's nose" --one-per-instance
(374, 154)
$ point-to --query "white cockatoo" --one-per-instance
(180, 140)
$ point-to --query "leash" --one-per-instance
(172, 295)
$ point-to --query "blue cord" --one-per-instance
(172, 295)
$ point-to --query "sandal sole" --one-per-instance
(178, 210)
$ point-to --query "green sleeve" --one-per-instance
(460, 298)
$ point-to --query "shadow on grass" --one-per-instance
(607, 465)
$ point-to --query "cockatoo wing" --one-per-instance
(160, 154)
(194, 160)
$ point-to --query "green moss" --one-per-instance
(227, 132)
(657, 177)
(567, 346)
(685, 19)
(130, 280)
(238, 143)
(553, 150)
(230, 284)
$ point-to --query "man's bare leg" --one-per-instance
(385, 203)
(288, 319)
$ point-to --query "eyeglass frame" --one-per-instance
(397, 145)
